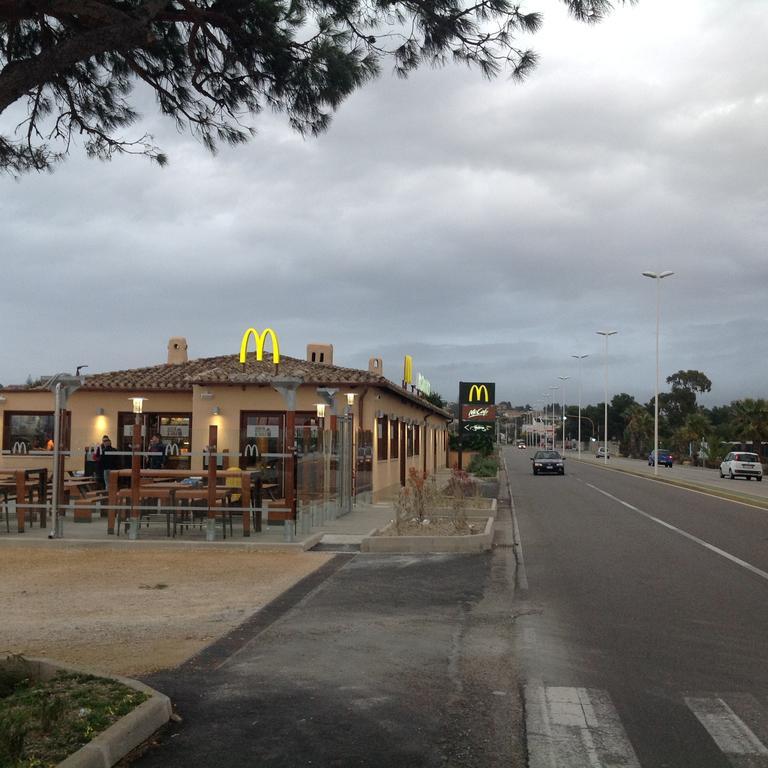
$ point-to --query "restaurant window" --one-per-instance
(307, 439)
(409, 440)
(394, 441)
(261, 447)
(175, 430)
(364, 473)
(28, 431)
(382, 430)
(417, 439)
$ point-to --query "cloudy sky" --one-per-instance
(489, 229)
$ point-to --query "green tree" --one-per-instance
(750, 421)
(638, 433)
(618, 409)
(681, 401)
(436, 399)
(74, 63)
(690, 435)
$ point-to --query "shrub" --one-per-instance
(484, 466)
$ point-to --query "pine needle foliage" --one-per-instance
(214, 65)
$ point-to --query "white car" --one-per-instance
(602, 453)
(742, 464)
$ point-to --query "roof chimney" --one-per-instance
(320, 353)
(376, 365)
(177, 350)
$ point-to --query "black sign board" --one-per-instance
(483, 428)
(477, 392)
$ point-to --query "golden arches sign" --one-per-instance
(408, 369)
(478, 393)
(260, 339)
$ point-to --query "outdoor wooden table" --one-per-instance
(159, 491)
(147, 478)
(223, 495)
(80, 484)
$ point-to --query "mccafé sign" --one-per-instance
(260, 339)
(476, 413)
(480, 392)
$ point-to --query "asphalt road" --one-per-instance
(378, 661)
(643, 622)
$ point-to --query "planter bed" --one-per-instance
(385, 540)
(72, 717)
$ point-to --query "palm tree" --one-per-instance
(639, 430)
(750, 421)
(694, 429)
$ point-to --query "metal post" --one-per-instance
(658, 277)
(56, 462)
(605, 335)
(579, 358)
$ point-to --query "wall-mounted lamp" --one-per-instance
(99, 411)
(138, 404)
(350, 398)
(320, 410)
(206, 395)
(216, 410)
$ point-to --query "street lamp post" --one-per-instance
(658, 277)
(562, 407)
(554, 438)
(605, 335)
(579, 358)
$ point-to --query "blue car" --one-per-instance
(665, 458)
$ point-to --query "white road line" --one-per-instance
(731, 734)
(575, 727)
(690, 536)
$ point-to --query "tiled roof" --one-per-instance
(226, 369)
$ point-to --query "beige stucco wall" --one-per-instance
(386, 473)
(88, 426)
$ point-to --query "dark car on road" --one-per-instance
(665, 458)
(548, 461)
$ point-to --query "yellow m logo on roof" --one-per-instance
(408, 369)
(478, 393)
(260, 339)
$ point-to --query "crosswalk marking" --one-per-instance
(731, 734)
(575, 728)
(572, 727)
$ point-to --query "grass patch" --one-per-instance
(43, 722)
(483, 466)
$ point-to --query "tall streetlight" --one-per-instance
(579, 358)
(658, 277)
(562, 407)
(546, 396)
(605, 335)
(554, 437)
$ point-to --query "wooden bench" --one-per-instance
(84, 505)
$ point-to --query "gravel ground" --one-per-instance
(131, 612)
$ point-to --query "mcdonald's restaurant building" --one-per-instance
(390, 427)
